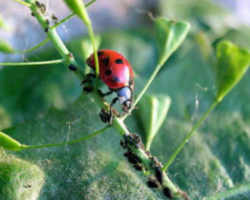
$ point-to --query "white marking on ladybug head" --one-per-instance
(124, 94)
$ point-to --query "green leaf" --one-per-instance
(9, 143)
(5, 47)
(78, 7)
(19, 179)
(170, 34)
(232, 64)
(152, 111)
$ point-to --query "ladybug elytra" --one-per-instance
(117, 74)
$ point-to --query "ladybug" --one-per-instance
(117, 74)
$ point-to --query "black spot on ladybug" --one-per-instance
(167, 192)
(115, 79)
(105, 61)
(108, 72)
(100, 53)
(118, 61)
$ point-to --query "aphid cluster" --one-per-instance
(132, 143)
(43, 9)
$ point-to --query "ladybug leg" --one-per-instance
(105, 94)
(89, 78)
(110, 107)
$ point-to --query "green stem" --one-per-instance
(152, 77)
(232, 192)
(189, 135)
(63, 20)
(69, 142)
(45, 41)
(20, 64)
(118, 124)
(55, 39)
(79, 8)
(89, 3)
(92, 38)
(23, 3)
(70, 16)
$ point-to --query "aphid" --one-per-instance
(159, 174)
(167, 192)
(138, 167)
(152, 183)
(54, 17)
(117, 74)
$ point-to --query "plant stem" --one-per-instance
(23, 3)
(79, 9)
(84, 138)
(20, 64)
(232, 192)
(55, 39)
(45, 41)
(89, 3)
(71, 15)
(117, 123)
(63, 20)
(142, 92)
(189, 135)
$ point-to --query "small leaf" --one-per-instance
(9, 143)
(152, 111)
(170, 34)
(5, 47)
(232, 64)
(78, 7)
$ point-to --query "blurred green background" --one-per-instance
(46, 105)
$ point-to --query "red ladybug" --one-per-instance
(117, 74)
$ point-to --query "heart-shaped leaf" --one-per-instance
(152, 111)
(232, 64)
(170, 34)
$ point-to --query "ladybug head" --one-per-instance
(125, 97)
